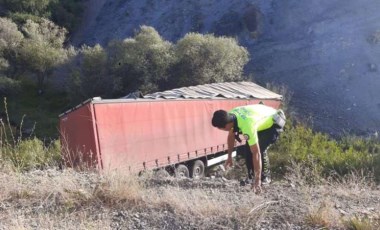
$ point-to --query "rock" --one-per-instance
(372, 67)
(342, 212)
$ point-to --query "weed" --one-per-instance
(324, 216)
(325, 156)
(119, 187)
(357, 223)
(23, 154)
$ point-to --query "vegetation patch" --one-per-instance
(323, 155)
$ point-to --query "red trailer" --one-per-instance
(171, 128)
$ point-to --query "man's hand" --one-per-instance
(229, 162)
(256, 187)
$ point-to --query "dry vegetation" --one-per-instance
(66, 199)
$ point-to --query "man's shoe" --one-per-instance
(245, 182)
(266, 181)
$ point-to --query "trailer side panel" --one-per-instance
(138, 135)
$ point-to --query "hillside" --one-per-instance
(325, 52)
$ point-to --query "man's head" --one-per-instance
(222, 120)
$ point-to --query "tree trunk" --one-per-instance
(40, 82)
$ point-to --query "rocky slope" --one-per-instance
(326, 52)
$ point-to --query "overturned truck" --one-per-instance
(168, 130)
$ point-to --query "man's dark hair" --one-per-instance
(220, 119)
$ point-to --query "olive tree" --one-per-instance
(207, 59)
(10, 39)
(42, 49)
(34, 7)
(91, 77)
(141, 62)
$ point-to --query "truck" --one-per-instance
(167, 131)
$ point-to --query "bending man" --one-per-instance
(261, 126)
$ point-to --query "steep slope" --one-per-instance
(325, 51)
(321, 50)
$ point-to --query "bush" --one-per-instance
(91, 78)
(205, 59)
(148, 63)
(42, 50)
(30, 153)
(34, 7)
(376, 163)
(9, 86)
(22, 18)
(66, 13)
(24, 154)
(325, 155)
(10, 39)
(141, 62)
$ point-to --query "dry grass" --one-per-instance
(64, 196)
(335, 202)
(119, 187)
(357, 223)
(192, 202)
(74, 221)
(53, 199)
(324, 215)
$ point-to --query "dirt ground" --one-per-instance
(65, 199)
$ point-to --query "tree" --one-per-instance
(91, 77)
(42, 50)
(66, 13)
(34, 7)
(141, 62)
(205, 59)
(10, 39)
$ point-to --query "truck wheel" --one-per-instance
(198, 169)
(161, 174)
(182, 171)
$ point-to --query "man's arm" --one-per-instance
(256, 158)
(230, 145)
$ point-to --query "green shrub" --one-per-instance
(21, 18)
(9, 86)
(30, 153)
(202, 59)
(43, 49)
(358, 223)
(53, 155)
(142, 62)
(322, 153)
(24, 154)
(376, 163)
(91, 78)
(34, 7)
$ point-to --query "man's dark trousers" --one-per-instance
(266, 138)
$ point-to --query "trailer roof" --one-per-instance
(229, 90)
(238, 90)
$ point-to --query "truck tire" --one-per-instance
(182, 171)
(161, 174)
(198, 169)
